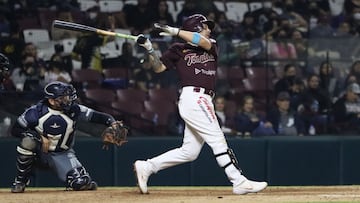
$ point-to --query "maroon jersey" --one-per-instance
(195, 66)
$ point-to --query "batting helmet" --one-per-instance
(195, 23)
(4, 66)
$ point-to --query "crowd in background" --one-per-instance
(307, 91)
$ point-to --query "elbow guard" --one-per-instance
(196, 38)
(102, 118)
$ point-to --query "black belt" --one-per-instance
(206, 91)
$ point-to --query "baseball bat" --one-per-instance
(84, 28)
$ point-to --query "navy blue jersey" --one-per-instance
(57, 126)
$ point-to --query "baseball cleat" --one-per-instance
(18, 187)
(93, 185)
(249, 186)
(142, 176)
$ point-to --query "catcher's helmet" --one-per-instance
(194, 23)
(4, 66)
(59, 89)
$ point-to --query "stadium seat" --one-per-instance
(236, 10)
(86, 78)
(110, 6)
(165, 94)
(116, 72)
(259, 72)
(135, 95)
(100, 99)
(162, 108)
(235, 75)
(160, 112)
(127, 108)
(36, 35)
(85, 5)
(220, 5)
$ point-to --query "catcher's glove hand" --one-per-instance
(115, 134)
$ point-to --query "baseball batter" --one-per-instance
(47, 138)
(196, 63)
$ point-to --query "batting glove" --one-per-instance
(167, 30)
(144, 42)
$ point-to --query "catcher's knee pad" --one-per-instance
(78, 179)
(230, 160)
(29, 143)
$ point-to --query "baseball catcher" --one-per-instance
(46, 131)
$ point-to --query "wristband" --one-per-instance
(196, 38)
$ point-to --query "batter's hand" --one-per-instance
(147, 44)
(167, 30)
(45, 144)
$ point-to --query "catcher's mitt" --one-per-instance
(115, 134)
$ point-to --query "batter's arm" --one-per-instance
(154, 59)
(189, 37)
(156, 63)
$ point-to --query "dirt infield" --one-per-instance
(185, 194)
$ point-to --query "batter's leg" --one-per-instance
(189, 151)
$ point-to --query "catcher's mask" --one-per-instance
(4, 66)
(194, 23)
(63, 93)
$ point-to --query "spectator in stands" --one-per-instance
(355, 70)
(85, 49)
(57, 71)
(13, 45)
(163, 15)
(285, 83)
(265, 17)
(328, 80)
(220, 105)
(206, 6)
(248, 122)
(316, 104)
(323, 28)
(228, 54)
(111, 21)
(146, 78)
(189, 8)
(314, 90)
(280, 47)
(247, 29)
(283, 119)
(301, 44)
(346, 110)
(296, 20)
(139, 17)
(31, 50)
(296, 91)
(344, 30)
(354, 20)
(4, 25)
(28, 77)
(126, 60)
